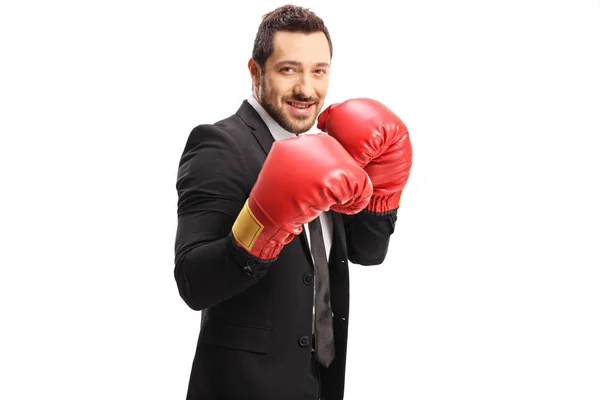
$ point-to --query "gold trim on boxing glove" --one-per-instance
(246, 228)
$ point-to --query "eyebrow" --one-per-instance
(296, 63)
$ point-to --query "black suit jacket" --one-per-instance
(254, 340)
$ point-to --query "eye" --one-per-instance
(320, 72)
(287, 70)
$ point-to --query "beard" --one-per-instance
(293, 124)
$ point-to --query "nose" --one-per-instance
(304, 86)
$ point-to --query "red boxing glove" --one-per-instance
(378, 140)
(301, 178)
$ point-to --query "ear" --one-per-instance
(254, 72)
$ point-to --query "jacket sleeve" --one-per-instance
(368, 236)
(212, 187)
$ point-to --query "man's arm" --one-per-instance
(212, 188)
(227, 234)
(368, 236)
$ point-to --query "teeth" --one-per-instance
(299, 105)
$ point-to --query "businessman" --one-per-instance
(270, 212)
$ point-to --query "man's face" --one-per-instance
(293, 85)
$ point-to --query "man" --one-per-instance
(268, 218)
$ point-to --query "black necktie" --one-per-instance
(325, 348)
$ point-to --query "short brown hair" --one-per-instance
(285, 18)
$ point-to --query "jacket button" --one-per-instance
(307, 279)
(303, 341)
(248, 270)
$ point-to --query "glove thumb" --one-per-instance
(322, 120)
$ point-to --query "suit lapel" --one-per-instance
(338, 236)
(258, 127)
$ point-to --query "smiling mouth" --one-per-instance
(299, 105)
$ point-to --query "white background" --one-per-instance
(491, 286)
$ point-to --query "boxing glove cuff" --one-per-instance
(384, 204)
(263, 242)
